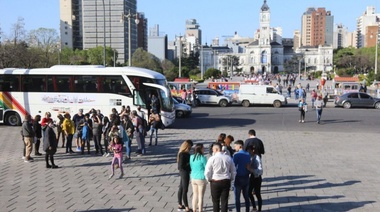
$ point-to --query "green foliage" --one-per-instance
(317, 74)
(144, 59)
(212, 72)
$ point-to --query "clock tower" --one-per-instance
(264, 25)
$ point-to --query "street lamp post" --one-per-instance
(377, 44)
(299, 66)
(180, 56)
(202, 69)
(128, 16)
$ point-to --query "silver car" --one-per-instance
(181, 110)
(211, 96)
(357, 99)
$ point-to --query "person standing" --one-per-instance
(253, 140)
(318, 108)
(38, 132)
(139, 133)
(28, 135)
(76, 118)
(59, 129)
(220, 171)
(117, 147)
(68, 128)
(183, 160)
(241, 159)
(106, 127)
(97, 133)
(302, 107)
(289, 89)
(154, 120)
(255, 180)
(198, 181)
(50, 145)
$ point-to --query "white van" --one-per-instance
(260, 94)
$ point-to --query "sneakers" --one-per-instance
(107, 155)
(37, 154)
(110, 176)
(303, 121)
(23, 157)
(299, 121)
(78, 149)
(28, 161)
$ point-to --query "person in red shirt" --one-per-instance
(45, 120)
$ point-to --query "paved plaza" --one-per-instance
(303, 171)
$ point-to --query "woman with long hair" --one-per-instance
(198, 181)
(183, 160)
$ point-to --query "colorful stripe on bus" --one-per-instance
(8, 102)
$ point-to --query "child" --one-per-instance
(117, 148)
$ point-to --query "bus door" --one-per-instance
(1, 112)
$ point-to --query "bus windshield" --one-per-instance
(145, 87)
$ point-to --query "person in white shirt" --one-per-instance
(220, 172)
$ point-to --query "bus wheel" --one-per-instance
(12, 119)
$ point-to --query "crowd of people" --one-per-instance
(108, 134)
(238, 169)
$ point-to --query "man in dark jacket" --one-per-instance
(254, 141)
(50, 145)
(28, 134)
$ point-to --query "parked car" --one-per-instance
(181, 110)
(357, 99)
(211, 97)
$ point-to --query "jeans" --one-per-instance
(302, 117)
(219, 194)
(241, 186)
(105, 141)
(69, 143)
(98, 144)
(142, 140)
(153, 131)
(319, 114)
(183, 188)
(255, 185)
(128, 145)
(199, 188)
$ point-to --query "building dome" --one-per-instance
(265, 7)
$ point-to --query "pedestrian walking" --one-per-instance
(255, 180)
(183, 160)
(314, 96)
(302, 107)
(198, 180)
(220, 172)
(50, 145)
(318, 108)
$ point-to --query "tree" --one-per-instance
(144, 59)
(212, 72)
(46, 40)
(18, 31)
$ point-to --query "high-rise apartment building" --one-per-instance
(366, 26)
(296, 39)
(193, 33)
(142, 33)
(342, 37)
(157, 45)
(87, 24)
(317, 27)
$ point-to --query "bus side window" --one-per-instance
(10, 83)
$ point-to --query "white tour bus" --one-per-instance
(66, 88)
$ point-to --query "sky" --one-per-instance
(217, 18)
